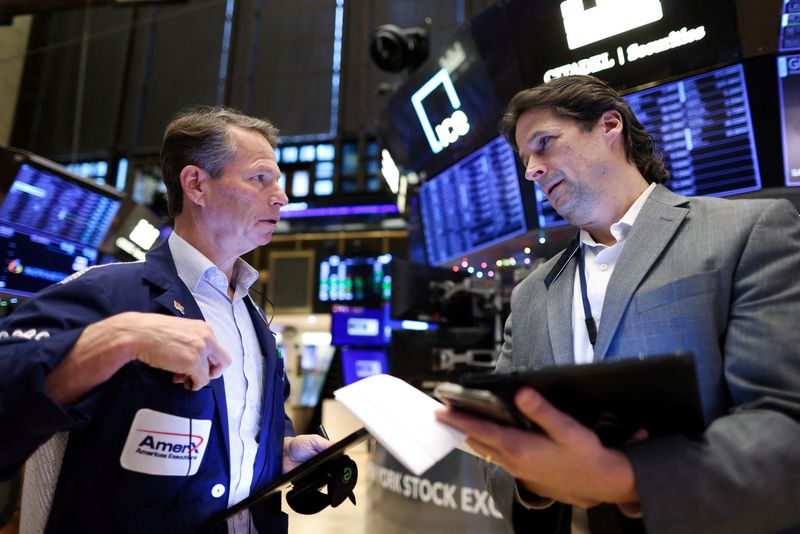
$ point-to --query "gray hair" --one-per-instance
(199, 136)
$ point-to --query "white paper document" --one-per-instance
(402, 419)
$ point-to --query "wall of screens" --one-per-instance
(713, 111)
(789, 91)
(473, 204)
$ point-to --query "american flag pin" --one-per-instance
(178, 306)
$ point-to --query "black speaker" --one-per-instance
(291, 280)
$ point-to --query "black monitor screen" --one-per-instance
(415, 295)
(625, 42)
(790, 26)
(358, 281)
(451, 104)
(789, 86)
(32, 262)
(45, 203)
(416, 235)
(473, 204)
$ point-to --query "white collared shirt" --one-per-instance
(233, 329)
(599, 261)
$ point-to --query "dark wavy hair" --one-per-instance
(585, 99)
(199, 136)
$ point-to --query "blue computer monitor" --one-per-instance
(361, 363)
(473, 204)
(354, 280)
(359, 326)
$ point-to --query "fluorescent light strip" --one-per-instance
(371, 209)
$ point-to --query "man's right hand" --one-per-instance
(186, 347)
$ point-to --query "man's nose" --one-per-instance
(534, 170)
(278, 196)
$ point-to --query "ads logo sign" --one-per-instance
(585, 23)
(452, 127)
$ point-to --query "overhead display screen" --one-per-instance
(451, 104)
(625, 42)
(704, 129)
(473, 204)
(789, 87)
(357, 280)
(790, 26)
(51, 224)
(51, 205)
(33, 262)
(703, 126)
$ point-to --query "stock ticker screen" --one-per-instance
(789, 87)
(358, 281)
(703, 127)
(473, 204)
(51, 205)
(50, 228)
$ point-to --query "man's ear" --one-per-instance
(193, 181)
(612, 125)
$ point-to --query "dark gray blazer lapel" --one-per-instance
(655, 226)
(560, 284)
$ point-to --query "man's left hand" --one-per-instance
(301, 448)
(565, 461)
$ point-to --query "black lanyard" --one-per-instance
(591, 326)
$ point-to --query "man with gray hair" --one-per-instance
(164, 372)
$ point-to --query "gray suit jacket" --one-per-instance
(718, 278)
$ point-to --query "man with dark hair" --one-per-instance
(159, 381)
(662, 273)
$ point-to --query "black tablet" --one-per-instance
(333, 452)
(614, 397)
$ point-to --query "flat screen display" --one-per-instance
(361, 363)
(452, 103)
(48, 204)
(416, 235)
(789, 88)
(32, 262)
(359, 326)
(704, 128)
(790, 26)
(51, 224)
(625, 42)
(357, 281)
(473, 204)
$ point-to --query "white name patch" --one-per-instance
(163, 444)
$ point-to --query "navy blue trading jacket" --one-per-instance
(95, 493)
